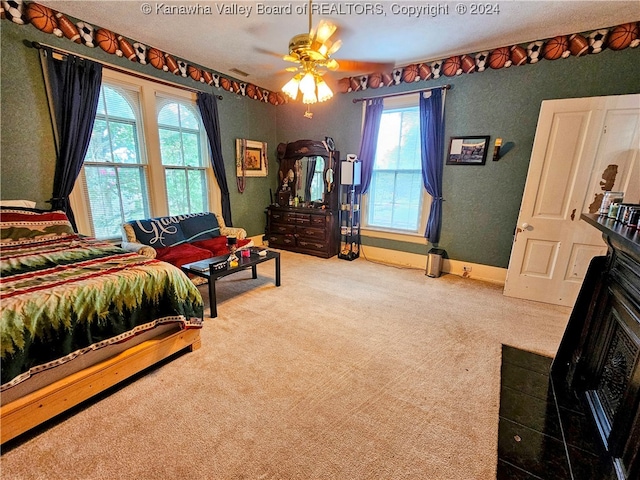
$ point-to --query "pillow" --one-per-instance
(199, 226)
(23, 225)
(158, 232)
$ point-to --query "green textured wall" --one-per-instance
(28, 152)
(481, 202)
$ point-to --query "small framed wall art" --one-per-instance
(251, 158)
(469, 150)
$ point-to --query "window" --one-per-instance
(147, 157)
(114, 168)
(182, 158)
(395, 193)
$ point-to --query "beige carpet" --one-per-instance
(349, 370)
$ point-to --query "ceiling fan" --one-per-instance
(313, 51)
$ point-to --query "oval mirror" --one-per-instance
(329, 178)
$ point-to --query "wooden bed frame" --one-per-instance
(35, 408)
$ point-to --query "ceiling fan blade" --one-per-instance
(358, 66)
(267, 52)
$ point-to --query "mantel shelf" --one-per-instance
(621, 234)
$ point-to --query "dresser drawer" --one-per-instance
(282, 229)
(303, 219)
(311, 245)
(308, 233)
(318, 221)
(277, 216)
(282, 240)
(283, 217)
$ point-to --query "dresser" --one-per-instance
(599, 357)
(304, 230)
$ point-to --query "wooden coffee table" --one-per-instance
(212, 269)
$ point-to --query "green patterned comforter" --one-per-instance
(64, 296)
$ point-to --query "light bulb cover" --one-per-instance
(309, 97)
(292, 86)
(324, 30)
(324, 92)
(308, 83)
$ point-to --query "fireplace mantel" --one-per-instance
(599, 356)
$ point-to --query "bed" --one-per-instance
(79, 315)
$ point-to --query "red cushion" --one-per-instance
(215, 246)
(180, 254)
(218, 245)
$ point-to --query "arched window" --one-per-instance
(114, 167)
(181, 147)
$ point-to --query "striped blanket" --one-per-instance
(62, 295)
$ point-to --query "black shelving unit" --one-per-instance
(350, 174)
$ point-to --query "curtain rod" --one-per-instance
(398, 94)
(126, 71)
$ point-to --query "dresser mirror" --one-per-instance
(306, 172)
(310, 179)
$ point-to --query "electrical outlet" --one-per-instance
(466, 268)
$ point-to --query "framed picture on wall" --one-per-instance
(251, 158)
(469, 150)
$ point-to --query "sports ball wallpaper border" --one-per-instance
(562, 46)
(58, 24)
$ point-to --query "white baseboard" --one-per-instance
(478, 271)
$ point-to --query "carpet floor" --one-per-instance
(349, 370)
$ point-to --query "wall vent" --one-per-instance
(239, 72)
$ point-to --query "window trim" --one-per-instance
(158, 201)
(392, 103)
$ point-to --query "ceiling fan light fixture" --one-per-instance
(323, 31)
(309, 97)
(308, 84)
(323, 49)
(335, 46)
(324, 92)
(292, 86)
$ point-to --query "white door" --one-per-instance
(578, 144)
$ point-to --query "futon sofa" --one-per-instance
(182, 238)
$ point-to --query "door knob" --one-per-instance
(525, 226)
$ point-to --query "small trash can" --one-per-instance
(434, 262)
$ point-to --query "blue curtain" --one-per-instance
(208, 107)
(432, 155)
(369, 141)
(74, 85)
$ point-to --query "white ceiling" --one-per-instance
(223, 41)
